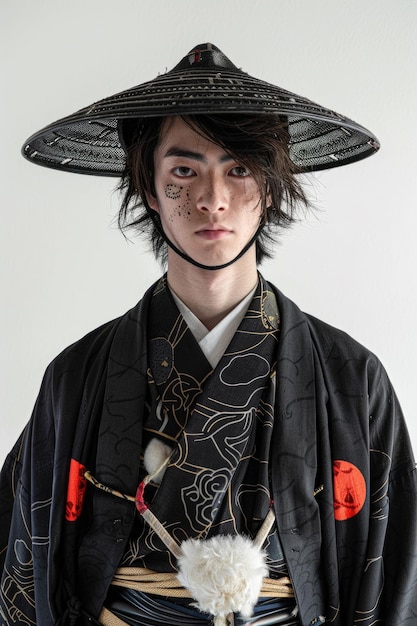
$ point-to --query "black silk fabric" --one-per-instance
(220, 425)
(342, 473)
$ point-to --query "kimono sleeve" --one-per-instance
(25, 501)
(394, 503)
(9, 479)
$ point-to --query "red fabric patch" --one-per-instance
(349, 490)
(77, 485)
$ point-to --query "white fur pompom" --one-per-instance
(224, 574)
(155, 456)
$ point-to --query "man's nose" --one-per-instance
(213, 195)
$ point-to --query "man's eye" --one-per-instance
(240, 171)
(184, 171)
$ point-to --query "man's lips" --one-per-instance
(213, 233)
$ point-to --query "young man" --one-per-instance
(215, 454)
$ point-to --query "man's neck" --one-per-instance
(212, 294)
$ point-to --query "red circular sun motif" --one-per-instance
(349, 490)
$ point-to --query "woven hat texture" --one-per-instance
(205, 81)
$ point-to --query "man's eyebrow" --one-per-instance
(190, 154)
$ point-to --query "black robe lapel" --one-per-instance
(217, 442)
(295, 465)
(119, 427)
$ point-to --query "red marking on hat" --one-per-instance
(349, 490)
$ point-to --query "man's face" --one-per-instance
(209, 204)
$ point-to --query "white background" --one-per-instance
(65, 268)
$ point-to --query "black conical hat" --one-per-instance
(204, 81)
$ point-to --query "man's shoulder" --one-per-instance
(88, 344)
(93, 350)
(329, 335)
(90, 351)
(328, 339)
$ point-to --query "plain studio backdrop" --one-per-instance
(65, 268)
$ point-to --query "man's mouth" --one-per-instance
(213, 232)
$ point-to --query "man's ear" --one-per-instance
(268, 197)
(152, 201)
(268, 200)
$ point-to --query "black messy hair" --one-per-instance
(257, 142)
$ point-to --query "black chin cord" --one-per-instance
(158, 225)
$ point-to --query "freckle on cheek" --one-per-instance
(173, 191)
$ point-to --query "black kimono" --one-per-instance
(342, 474)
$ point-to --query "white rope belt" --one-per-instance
(167, 584)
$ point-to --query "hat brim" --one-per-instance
(88, 142)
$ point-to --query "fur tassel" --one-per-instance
(155, 459)
(224, 574)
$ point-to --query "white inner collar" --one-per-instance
(214, 342)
